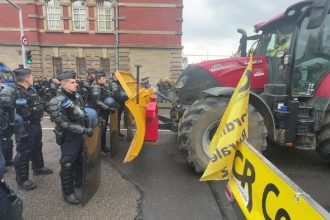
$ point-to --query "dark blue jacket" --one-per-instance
(2, 165)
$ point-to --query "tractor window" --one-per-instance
(275, 40)
(312, 59)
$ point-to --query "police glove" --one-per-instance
(88, 132)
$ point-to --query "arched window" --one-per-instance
(103, 15)
(79, 16)
(53, 15)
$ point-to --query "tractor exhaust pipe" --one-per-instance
(242, 42)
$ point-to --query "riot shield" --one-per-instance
(91, 165)
(114, 133)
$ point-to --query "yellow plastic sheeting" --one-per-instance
(138, 111)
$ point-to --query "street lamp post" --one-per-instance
(20, 15)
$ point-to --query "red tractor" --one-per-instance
(290, 98)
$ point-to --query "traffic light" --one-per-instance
(28, 57)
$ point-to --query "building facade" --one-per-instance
(102, 34)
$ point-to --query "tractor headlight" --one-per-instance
(181, 82)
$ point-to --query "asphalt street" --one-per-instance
(116, 197)
(306, 168)
(170, 189)
(157, 185)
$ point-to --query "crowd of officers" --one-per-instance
(72, 105)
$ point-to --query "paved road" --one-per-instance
(158, 185)
(306, 169)
(170, 189)
(115, 199)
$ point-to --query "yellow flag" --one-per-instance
(232, 130)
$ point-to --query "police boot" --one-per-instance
(22, 172)
(67, 184)
(38, 165)
(104, 147)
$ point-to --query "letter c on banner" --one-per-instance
(281, 213)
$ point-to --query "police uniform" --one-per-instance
(11, 206)
(4, 201)
(120, 97)
(53, 89)
(28, 143)
(103, 103)
(7, 124)
(85, 86)
(66, 110)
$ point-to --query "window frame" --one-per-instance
(81, 65)
(98, 15)
(105, 64)
(80, 15)
(59, 20)
(57, 66)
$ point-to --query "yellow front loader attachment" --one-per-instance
(138, 99)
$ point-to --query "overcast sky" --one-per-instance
(209, 26)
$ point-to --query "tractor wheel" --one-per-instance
(199, 123)
(323, 138)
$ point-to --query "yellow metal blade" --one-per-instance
(138, 111)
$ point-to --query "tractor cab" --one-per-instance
(297, 48)
(277, 41)
(297, 54)
(311, 63)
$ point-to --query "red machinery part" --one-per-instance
(151, 133)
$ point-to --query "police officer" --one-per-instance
(103, 103)
(66, 110)
(54, 85)
(86, 85)
(28, 145)
(120, 97)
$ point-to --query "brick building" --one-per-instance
(101, 34)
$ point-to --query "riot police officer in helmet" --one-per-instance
(103, 103)
(66, 110)
(91, 76)
(86, 85)
(28, 145)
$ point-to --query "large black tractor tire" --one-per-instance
(323, 138)
(199, 123)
